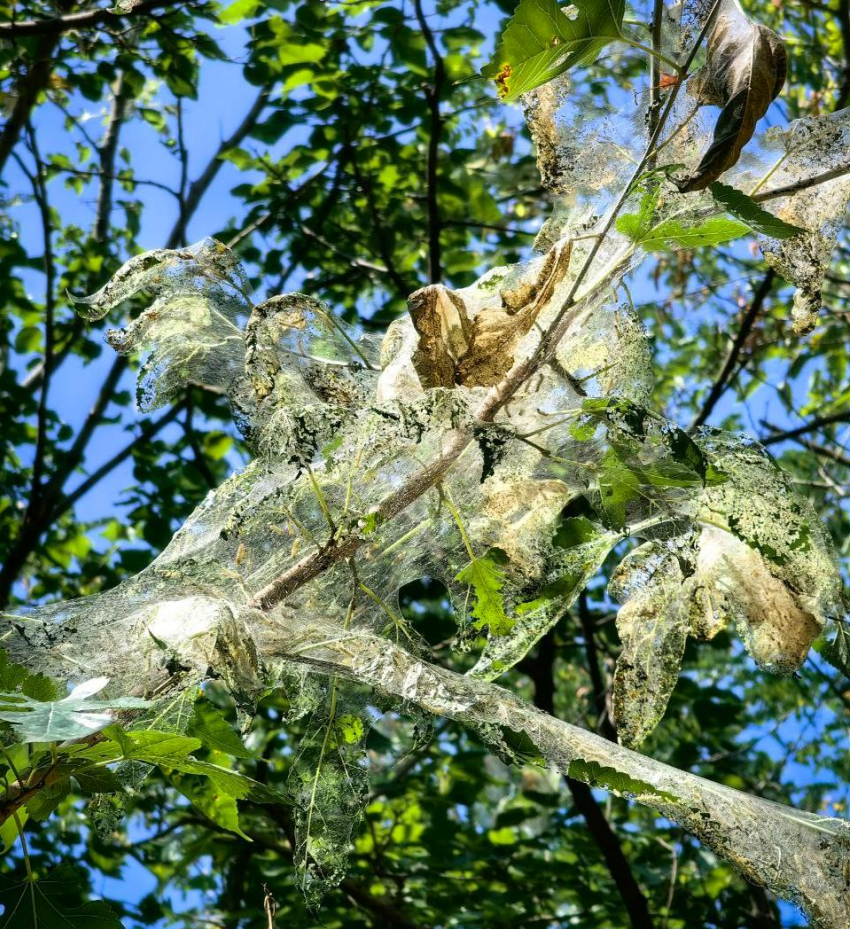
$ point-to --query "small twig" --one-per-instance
(269, 906)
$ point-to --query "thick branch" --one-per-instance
(28, 88)
(796, 855)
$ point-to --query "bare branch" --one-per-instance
(725, 376)
(817, 422)
(77, 21)
(108, 149)
(803, 184)
(202, 183)
(433, 92)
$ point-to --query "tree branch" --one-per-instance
(842, 14)
(148, 432)
(202, 183)
(805, 183)
(724, 377)
(29, 86)
(830, 453)
(192, 437)
(456, 441)
(817, 422)
(108, 149)
(40, 193)
(76, 21)
(542, 673)
(432, 95)
(33, 528)
(810, 867)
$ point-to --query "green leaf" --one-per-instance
(743, 207)
(9, 830)
(687, 453)
(40, 687)
(541, 41)
(53, 903)
(96, 779)
(217, 806)
(11, 675)
(619, 486)
(672, 234)
(486, 579)
(520, 748)
(47, 800)
(596, 775)
(214, 732)
(837, 652)
(174, 753)
(349, 729)
(73, 717)
(236, 12)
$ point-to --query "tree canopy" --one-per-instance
(457, 536)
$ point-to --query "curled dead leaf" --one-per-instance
(746, 69)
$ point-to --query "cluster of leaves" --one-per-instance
(54, 749)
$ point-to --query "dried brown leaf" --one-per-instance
(746, 69)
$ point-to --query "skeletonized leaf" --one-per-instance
(329, 785)
(653, 627)
(812, 146)
(746, 69)
(581, 548)
(542, 41)
(748, 211)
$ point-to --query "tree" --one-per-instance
(501, 443)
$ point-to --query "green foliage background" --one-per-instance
(358, 163)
